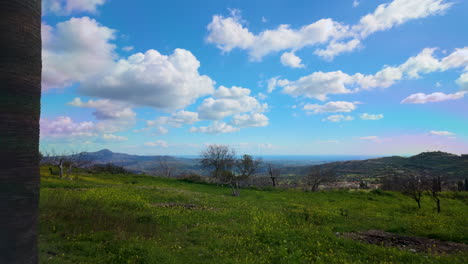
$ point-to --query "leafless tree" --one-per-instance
(245, 166)
(413, 185)
(434, 190)
(317, 176)
(77, 160)
(274, 174)
(164, 168)
(220, 159)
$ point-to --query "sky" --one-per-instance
(289, 77)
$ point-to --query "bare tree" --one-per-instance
(413, 185)
(274, 174)
(245, 166)
(79, 160)
(220, 159)
(20, 105)
(434, 190)
(317, 176)
(164, 168)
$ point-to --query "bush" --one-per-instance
(108, 168)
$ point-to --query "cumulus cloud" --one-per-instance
(338, 118)
(229, 101)
(421, 98)
(74, 51)
(152, 79)
(320, 84)
(106, 109)
(398, 12)
(331, 107)
(177, 119)
(250, 120)
(157, 143)
(441, 133)
(66, 7)
(367, 116)
(65, 127)
(228, 33)
(291, 60)
(337, 47)
(113, 138)
(216, 127)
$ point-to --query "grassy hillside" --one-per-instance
(141, 219)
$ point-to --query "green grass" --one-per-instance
(113, 219)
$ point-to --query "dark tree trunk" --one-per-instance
(438, 205)
(20, 94)
(419, 204)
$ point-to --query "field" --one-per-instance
(142, 219)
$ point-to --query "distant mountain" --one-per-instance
(453, 166)
(142, 164)
(450, 165)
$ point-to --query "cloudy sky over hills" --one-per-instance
(266, 77)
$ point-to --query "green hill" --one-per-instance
(142, 219)
(453, 167)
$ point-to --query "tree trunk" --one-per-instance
(419, 204)
(438, 206)
(20, 97)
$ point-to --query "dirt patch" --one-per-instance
(414, 244)
(183, 205)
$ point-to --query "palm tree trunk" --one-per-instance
(20, 94)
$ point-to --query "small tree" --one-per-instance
(245, 166)
(164, 168)
(220, 159)
(274, 174)
(317, 176)
(434, 190)
(413, 185)
(79, 160)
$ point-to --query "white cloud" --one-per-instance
(463, 81)
(128, 48)
(230, 33)
(152, 79)
(250, 120)
(331, 107)
(65, 127)
(338, 118)
(291, 60)
(272, 83)
(157, 143)
(161, 131)
(355, 3)
(66, 7)
(177, 119)
(441, 133)
(320, 84)
(264, 20)
(229, 101)
(421, 98)
(106, 109)
(74, 51)
(113, 138)
(113, 116)
(367, 116)
(396, 13)
(335, 48)
(216, 127)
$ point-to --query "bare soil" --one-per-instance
(414, 244)
(183, 205)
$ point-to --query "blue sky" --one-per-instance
(337, 77)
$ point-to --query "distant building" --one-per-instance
(464, 156)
